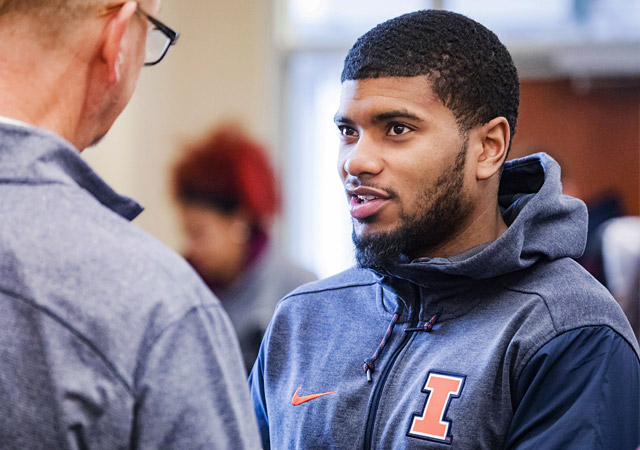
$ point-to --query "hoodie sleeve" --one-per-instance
(580, 390)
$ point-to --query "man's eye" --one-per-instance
(347, 131)
(397, 129)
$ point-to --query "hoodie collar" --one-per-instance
(542, 224)
(32, 155)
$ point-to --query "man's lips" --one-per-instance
(365, 201)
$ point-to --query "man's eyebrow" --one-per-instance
(382, 117)
(342, 119)
(396, 114)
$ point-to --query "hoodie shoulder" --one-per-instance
(573, 298)
(353, 277)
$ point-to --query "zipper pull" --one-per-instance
(428, 326)
(369, 367)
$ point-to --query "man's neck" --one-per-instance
(484, 227)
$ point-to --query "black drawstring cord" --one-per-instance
(427, 327)
(369, 364)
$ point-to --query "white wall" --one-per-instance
(223, 67)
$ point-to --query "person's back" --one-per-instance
(108, 339)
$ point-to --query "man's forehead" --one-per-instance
(392, 87)
(379, 96)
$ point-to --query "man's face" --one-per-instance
(402, 163)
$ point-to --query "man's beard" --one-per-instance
(442, 208)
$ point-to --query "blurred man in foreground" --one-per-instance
(108, 339)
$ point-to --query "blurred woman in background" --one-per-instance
(227, 194)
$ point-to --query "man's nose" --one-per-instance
(363, 157)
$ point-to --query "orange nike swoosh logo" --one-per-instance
(299, 400)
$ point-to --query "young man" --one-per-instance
(467, 323)
(108, 339)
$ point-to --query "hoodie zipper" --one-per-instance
(377, 391)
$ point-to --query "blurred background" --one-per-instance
(273, 67)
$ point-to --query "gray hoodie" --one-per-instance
(510, 345)
(107, 338)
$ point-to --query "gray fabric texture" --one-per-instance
(498, 306)
(108, 338)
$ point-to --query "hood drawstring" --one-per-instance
(369, 364)
(427, 327)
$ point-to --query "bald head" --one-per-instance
(53, 17)
(70, 66)
(60, 8)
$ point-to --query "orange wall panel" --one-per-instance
(593, 129)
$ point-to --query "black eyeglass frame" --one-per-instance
(171, 34)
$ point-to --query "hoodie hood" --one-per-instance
(543, 224)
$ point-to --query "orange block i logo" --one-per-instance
(432, 424)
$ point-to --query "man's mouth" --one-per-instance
(365, 198)
(364, 201)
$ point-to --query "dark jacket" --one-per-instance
(509, 345)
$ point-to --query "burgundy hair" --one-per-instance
(227, 170)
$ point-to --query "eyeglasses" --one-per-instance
(159, 37)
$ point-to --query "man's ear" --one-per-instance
(113, 39)
(495, 137)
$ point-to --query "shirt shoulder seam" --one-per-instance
(327, 289)
(75, 332)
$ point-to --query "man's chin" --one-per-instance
(376, 250)
(371, 230)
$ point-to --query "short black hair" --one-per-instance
(468, 67)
